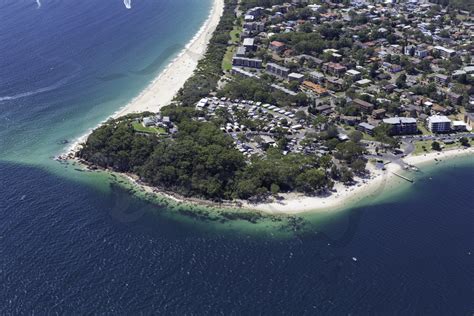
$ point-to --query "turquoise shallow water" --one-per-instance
(71, 242)
(68, 65)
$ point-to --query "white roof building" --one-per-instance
(439, 123)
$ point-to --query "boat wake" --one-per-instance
(54, 86)
(127, 3)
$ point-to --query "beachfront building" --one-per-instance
(438, 124)
(402, 125)
(459, 126)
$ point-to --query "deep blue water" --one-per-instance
(70, 243)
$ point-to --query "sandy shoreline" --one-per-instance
(163, 88)
(366, 188)
(296, 203)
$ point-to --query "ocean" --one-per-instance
(74, 242)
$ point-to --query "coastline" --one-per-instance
(296, 203)
(346, 195)
(162, 89)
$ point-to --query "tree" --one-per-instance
(349, 151)
(436, 146)
(356, 136)
(382, 134)
(401, 81)
(346, 175)
(311, 180)
(464, 141)
(358, 166)
(301, 115)
(274, 188)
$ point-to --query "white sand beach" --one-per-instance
(162, 89)
(378, 182)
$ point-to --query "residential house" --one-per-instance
(455, 98)
(379, 113)
(334, 84)
(296, 77)
(421, 52)
(249, 43)
(315, 88)
(366, 128)
(441, 79)
(316, 77)
(469, 119)
(334, 69)
(445, 52)
(277, 46)
(350, 120)
(363, 106)
(354, 75)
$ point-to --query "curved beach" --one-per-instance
(162, 89)
(166, 85)
(345, 196)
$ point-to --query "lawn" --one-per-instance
(234, 39)
(424, 130)
(419, 150)
(235, 34)
(350, 129)
(227, 61)
(150, 130)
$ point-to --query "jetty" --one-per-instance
(403, 177)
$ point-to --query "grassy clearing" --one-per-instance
(227, 61)
(349, 129)
(150, 130)
(422, 128)
(423, 147)
(235, 34)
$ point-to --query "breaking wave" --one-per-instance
(127, 3)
